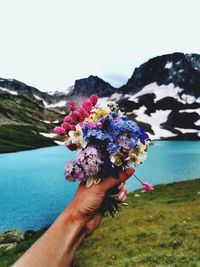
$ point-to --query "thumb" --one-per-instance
(110, 182)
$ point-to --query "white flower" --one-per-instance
(137, 155)
(92, 180)
(115, 158)
(76, 137)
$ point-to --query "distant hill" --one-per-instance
(163, 94)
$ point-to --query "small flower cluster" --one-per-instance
(106, 141)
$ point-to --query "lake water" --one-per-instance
(33, 191)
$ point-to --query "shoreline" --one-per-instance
(135, 192)
(55, 144)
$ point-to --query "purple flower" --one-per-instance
(73, 171)
(90, 160)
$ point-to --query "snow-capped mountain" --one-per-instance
(163, 94)
(51, 99)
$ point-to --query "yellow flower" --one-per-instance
(101, 112)
(93, 117)
(96, 115)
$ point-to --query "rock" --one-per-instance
(11, 236)
(8, 246)
(180, 69)
(28, 234)
(137, 195)
(92, 85)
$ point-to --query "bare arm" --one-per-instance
(56, 248)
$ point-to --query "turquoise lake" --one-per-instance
(33, 190)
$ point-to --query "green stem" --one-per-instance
(138, 179)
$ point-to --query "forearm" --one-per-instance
(57, 246)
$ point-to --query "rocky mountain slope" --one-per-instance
(24, 123)
(163, 94)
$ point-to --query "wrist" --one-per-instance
(71, 220)
(71, 228)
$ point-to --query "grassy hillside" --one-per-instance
(22, 137)
(159, 228)
(21, 120)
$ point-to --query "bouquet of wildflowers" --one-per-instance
(106, 142)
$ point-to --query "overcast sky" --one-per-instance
(49, 44)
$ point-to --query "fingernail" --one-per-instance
(121, 186)
(121, 196)
(124, 198)
(129, 171)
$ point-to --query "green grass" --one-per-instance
(21, 120)
(22, 137)
(159, 228)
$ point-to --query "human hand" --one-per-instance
(87, 202)
(60, 242)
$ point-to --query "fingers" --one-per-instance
(122, 187)
(111, 182)
(122, 192)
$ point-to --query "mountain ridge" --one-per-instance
(163, 94)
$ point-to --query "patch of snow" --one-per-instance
(102, 102)
(115, 97)
(188, 98)
(197, 123)
(37, 97)
(160, 91)
(60, 104)
(180, 71)
(64, 92)
(59, 142)
(168, 65)
(8, 91)
(155, 120)
(197, 110)
(183, 130)
(132, 98)
(49, 135)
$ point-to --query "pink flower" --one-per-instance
(87, 105)
(83, 113)
(93, 99)
(72, 106)
(59, 130)
(99, 124)
(72, 127)
(147, 186)
(75, 116)
(68, 118)
(91, 125)
(67, 126)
